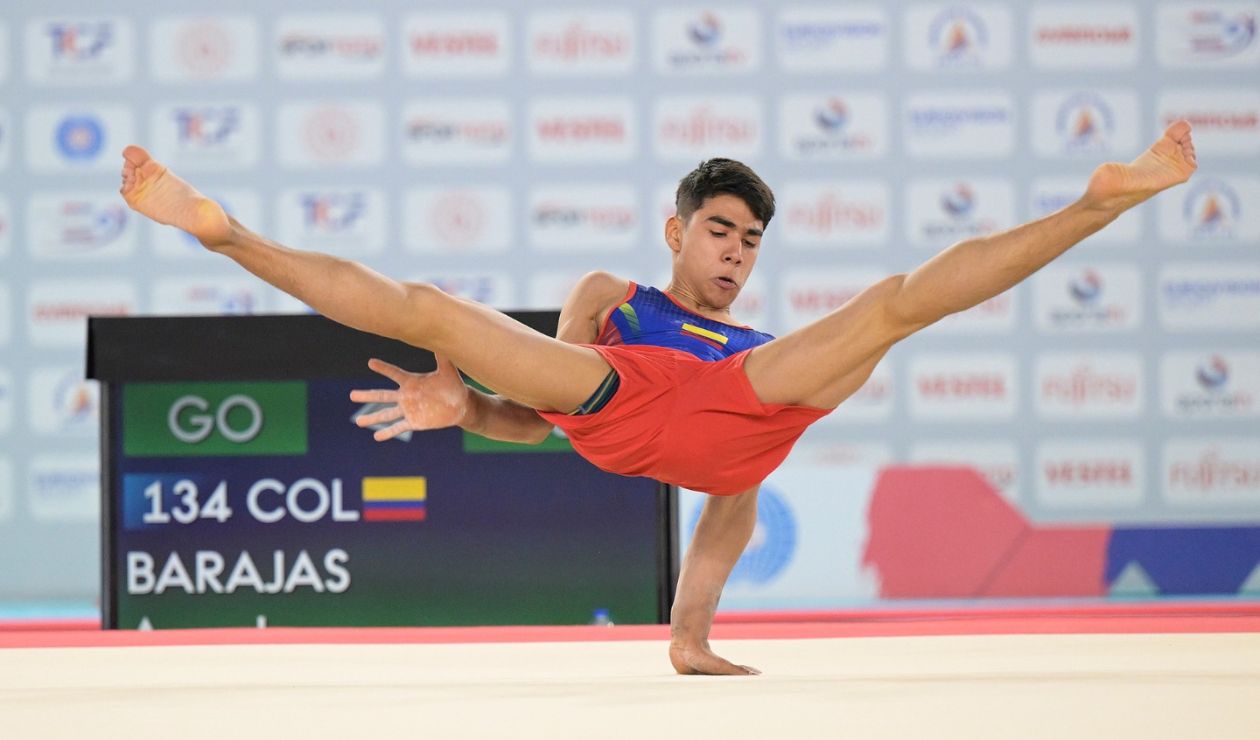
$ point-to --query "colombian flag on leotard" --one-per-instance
(647, 316)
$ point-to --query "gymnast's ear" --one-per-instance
(673, 233)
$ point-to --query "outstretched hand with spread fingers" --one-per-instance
(422, 401)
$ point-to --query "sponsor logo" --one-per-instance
(79, 137)
(63, 402)
(974, 386)
(956, 37)
(1214, 209)
(946, 211)
(214, 419)
(1206, 296)
(707, 42)
(199, 49)
(438, 44)
(460, 221)
(64, 488)
(221, 136)
(57, 310)
(1088, 473)
(1217, 34)
(234, 296)
(996, 462)
(582, 130)
(828, 39)
(808, 295)
(581, 43)
(1084, 123)
(688, 127)
(1220, 385)
(79, 51)
(959, 125)
(1087, 299)
(75, 139)
(850, 127)
(843, 214)
(1211, 208)
(343, 221)
(1212, 470)
(319, 135)
(583, 217)
(79, 226)
(467, 131)
(335, 45)
(1083, 36)
(1225, 120)
(1089, 386)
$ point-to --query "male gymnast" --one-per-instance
(664, 384)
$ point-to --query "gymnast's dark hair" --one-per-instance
(724, 177)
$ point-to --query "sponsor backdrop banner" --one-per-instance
(502, 150)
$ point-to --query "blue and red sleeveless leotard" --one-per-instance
(684, 412)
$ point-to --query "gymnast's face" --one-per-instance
(715, 249)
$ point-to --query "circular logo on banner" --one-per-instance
(80, 137)
(833, 116)
(205, 49)
(773, 542)
(1212, 373)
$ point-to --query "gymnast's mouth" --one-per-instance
(726, 282)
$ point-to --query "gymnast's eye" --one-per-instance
(718, 233)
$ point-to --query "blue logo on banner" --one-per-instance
(80, 137)
(773, 542)
(833, 116)
(706, 30)
(1087, 288)
(1212, 373)
(959, 201)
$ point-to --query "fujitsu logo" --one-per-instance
(1084, 384)
(704, 127)
(830, 212)
(576, 41)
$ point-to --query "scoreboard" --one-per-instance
(238, 491)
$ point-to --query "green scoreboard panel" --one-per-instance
(238, 491)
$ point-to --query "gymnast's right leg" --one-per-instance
(518, 362)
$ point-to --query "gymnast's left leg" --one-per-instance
(825, 362)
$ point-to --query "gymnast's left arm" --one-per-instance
(725, 527)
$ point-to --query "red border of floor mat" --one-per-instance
(840, 624)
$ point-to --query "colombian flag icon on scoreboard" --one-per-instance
(394, 499)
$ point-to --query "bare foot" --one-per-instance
(154, 191)
(1169, 161)
(701, 661)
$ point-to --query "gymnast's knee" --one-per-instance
(426, 306)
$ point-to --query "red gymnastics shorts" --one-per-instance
(682, 420)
